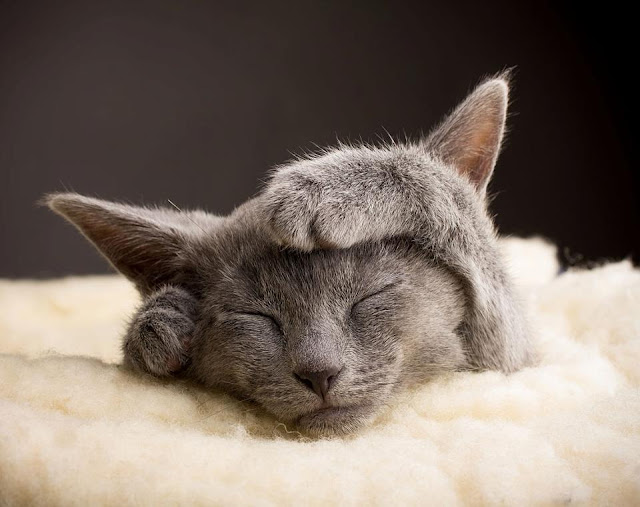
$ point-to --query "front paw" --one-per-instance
(159, 337)
(309, 210)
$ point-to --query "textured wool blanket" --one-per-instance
(76, 429)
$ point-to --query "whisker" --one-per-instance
(186, 215)
(238, 402)
(288, 431)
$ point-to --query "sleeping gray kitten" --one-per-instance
(353, 274)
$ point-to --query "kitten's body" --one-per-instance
(351, 275)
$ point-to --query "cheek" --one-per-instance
(377, 343)
(403, 338)
(230, 357)
(431, 344)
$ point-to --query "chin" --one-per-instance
(335, 421)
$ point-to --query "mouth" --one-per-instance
(335, 420)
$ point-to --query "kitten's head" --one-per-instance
(321, 338)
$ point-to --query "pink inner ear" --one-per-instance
(481, 154)
(469, 139)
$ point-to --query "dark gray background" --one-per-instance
(194, 101)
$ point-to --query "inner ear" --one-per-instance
(148, 245)
(469, 139)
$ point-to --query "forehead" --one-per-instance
(279, 276)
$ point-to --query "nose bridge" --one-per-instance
(316, 347)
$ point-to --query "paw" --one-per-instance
(159, 337)
(310, 210)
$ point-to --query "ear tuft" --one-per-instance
(469, 139)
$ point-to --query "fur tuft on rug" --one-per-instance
(76, 429)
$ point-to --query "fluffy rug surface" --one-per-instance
(75, 429)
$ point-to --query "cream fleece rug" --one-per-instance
(77, 430)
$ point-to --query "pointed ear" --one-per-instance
(469, 138)
(148, 245)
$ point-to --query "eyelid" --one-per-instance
(262, 315)
(379, 291)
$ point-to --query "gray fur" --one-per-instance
(377, 262)
(158, 339)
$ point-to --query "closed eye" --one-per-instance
(373, 294)
(264, 316)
